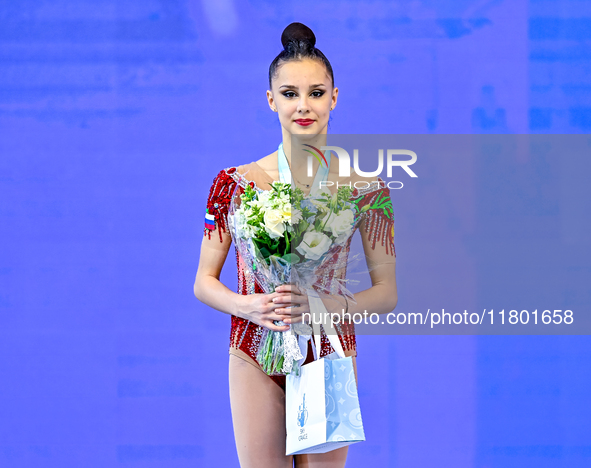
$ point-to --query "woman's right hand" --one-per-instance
(260, 309)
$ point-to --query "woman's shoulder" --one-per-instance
(251, 174)
(232, 174)
(258, 174)
(267, 164)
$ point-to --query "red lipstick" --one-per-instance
(304, 122)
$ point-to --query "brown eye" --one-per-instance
(317, 93)
(289, 94)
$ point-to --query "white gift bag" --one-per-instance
(321, 404)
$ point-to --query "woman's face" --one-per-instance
(302, 95)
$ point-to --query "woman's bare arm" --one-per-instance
(382, 297)
(208, 288)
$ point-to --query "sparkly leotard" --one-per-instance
(379, 223)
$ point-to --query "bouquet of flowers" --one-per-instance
(283, 234)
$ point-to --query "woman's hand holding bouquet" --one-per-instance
(264, 310)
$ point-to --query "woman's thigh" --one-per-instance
(334, 459)
(258, 416)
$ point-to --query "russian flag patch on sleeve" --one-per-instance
(209, 220)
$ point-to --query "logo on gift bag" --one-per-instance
(302, 412)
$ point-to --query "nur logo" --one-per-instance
(319, 156)
(345, 161)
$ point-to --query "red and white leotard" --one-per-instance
(379, 223)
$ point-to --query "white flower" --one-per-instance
(339, 224)
(244, 229)
(322, 205)
(274, 223)
(248, 213)
(314, 245)
(250, 231)
(296, 216)
(286, 212)
(284, 197)
(261, 200)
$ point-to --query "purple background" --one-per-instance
(116, 116)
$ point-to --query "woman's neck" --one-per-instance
(297, 153)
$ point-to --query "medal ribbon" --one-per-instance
(285, 172)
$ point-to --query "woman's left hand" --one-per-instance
(295, 302)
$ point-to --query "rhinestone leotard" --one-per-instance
(245, 335)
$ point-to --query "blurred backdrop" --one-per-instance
(115, 116)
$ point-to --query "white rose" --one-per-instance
(314, 245)
(274, 223)
(340, 224)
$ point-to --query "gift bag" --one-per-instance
(321, 404)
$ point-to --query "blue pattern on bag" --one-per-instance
(342, 404)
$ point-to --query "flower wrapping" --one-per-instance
(285, 236)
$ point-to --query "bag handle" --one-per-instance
(318, 312)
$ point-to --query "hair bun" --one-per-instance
(296, 32)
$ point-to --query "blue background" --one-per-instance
(116, 116)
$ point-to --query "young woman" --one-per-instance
(302, 93)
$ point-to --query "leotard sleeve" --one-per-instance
(218, 203)
(376, 207)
